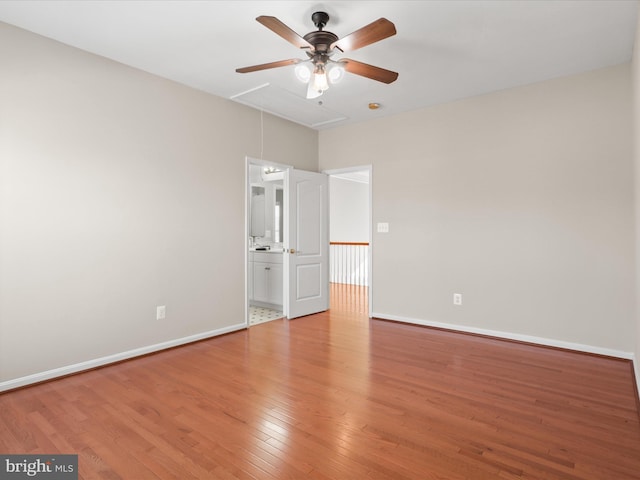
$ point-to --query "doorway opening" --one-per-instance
(265, 247)
(351, 222)
(287, 242)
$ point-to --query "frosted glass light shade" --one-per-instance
(335, 72)
(303, 73)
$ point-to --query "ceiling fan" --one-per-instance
(319, 69)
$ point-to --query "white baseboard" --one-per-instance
(548, 342)
(118, 357)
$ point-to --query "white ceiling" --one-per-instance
(443, 51)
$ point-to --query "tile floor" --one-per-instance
(261, 315)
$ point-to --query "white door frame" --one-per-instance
(247, 226)
(369, 168)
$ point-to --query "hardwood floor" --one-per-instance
(338, 396)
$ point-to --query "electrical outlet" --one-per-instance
(457, 299)
(161, 312)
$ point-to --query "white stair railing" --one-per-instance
(349, 263)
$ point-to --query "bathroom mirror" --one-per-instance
(258, 211)
(278, 215)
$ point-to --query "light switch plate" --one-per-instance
(383, 227)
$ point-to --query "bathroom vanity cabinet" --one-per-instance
(265, 279)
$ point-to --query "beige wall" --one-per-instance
(521, 200)
(119, 191)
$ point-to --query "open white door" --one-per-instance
(306, 288)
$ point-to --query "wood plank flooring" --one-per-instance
(338, 396)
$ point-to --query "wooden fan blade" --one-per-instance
(279, 28)
(265, 66)
(374, 32)
(369, 71)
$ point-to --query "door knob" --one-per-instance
(293, 250)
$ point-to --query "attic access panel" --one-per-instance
(285, 104)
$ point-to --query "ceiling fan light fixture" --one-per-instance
(313, 92)
(319, 78)
(316, 80)
(303, 72)
(335, 72)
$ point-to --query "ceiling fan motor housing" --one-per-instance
(320, 39)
